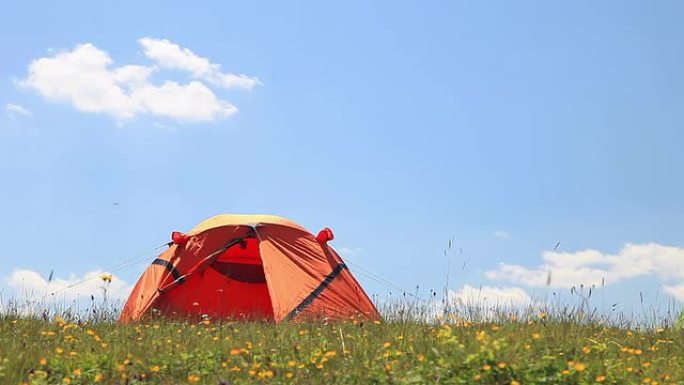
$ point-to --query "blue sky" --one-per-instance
(507, 127)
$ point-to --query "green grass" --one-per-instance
(539, 350)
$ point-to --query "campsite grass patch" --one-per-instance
(540, 351)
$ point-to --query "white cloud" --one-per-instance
(677, 291)
(484, 302)
(168, 54)
(490, 297)
(502, 234)
(28, 286)
(87, 78)
(16, 109)
(350, 251)
(592, 267)
(193, 101)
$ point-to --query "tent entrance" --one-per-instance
(242, 291)
(232, 287)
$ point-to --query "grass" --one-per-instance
(515, 349)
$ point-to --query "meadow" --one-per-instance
(509, 348)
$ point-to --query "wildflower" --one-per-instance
(77, 372)
(514, 382)
(586, 349)
(486, 367)
(266, 374)
(289, 374)
(386, 345)
(106, 277)
(43, 361)
(155, 368)
(580, 366)
(192, 378)
(536, 335)
(330, 353)
(600, 378)
(638, 352)
(98, 377)
(291, 363)
(501, 365)
(59, 350)
(480, 335)
(421, 358)
(565, 372)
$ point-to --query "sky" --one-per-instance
(505, 151)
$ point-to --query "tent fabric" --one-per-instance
(249, 267)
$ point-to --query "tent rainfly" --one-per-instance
(249, 267)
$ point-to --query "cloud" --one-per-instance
(677, 291)
(490, 297)
(350, 251)
(86, 78)
(593, 267)
(170, 55)
(484, 302)
(502, 234)
(28, 286)
(15, 110)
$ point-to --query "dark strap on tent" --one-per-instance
(169, 266)
(181, 278)
(326, 282)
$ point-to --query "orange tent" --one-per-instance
(249, 267)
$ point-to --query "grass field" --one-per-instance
(539, 349)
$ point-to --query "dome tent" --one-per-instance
(249, 267)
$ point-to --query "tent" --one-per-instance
(249, 267)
